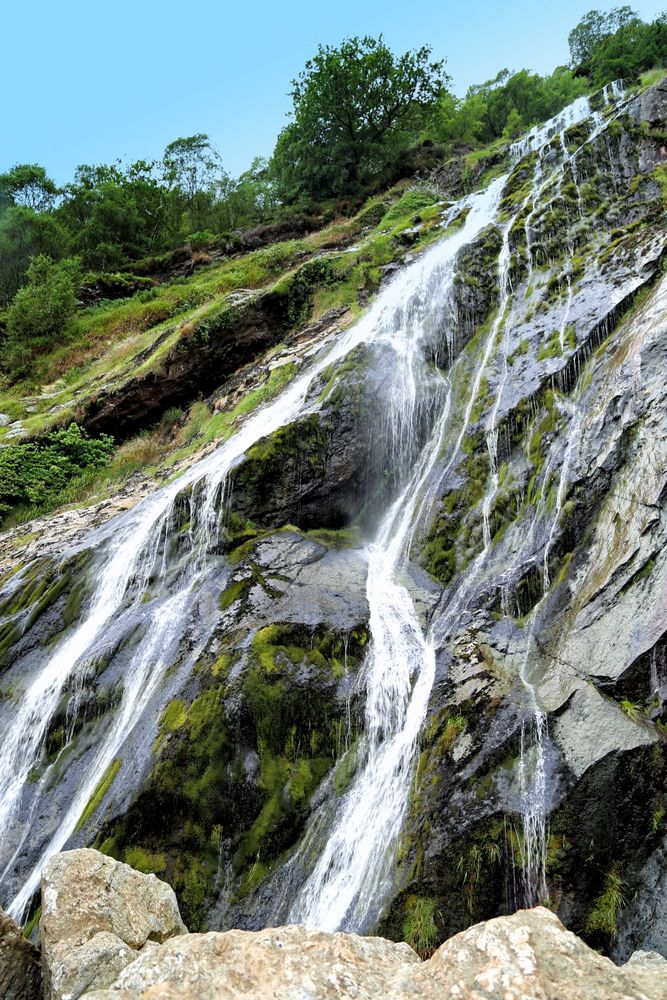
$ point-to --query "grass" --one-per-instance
(603, 917)
(419, 926)
(652, 76)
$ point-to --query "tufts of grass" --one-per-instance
(603, 917)
(419, 926)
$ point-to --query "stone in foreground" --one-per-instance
(20, 974)
(97, 915)
(109, 933)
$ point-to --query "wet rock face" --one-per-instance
(333, 465)
(248, 735)
(20, 970)
(97, 914)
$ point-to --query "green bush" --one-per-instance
(41, 309)
(35, 473)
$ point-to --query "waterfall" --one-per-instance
(351, 877)
(136, 587)
(129, 549)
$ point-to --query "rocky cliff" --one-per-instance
(402, 612)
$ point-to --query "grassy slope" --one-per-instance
(109, 344)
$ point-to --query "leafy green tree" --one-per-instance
(24, 234)
(41, 309)
(28, 185)
(633, 48)
(116, 215)
(503, 106)
(192, 167)
(354, 108)
(592, 28)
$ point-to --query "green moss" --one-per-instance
(101, 790)
(346, 769)
(520, 351)
(551, 349)
(174, 715)
(32, 923)
(481, 401)
(235, 590)
(413, 201)
(144, 861)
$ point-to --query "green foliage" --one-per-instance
(354, 108)
(503, 107)
(419, 927)
(37, 474)
(634, 712)
(29, 185)
(593, 28)
(41, 309)
(603, 917)
(617, 45)
(24, 234)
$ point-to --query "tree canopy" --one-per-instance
(354, 107)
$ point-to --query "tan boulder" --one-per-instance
(530, 955)
(526, 956)
(282, 962)
(97, 914)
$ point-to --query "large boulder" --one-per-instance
(273, 964)
(526, 955)
(97, 915)
(530, 954)
(20, 973)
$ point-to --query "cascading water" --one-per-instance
(351, 876)
(131, 553)
(132, 580)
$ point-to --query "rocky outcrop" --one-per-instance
(204, 353)
(97, 914)
(20, 972)
(104, 929)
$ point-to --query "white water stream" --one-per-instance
(352, 874)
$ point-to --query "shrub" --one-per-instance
(35, 473)
(41, 309)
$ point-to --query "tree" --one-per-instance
(634, 47)
(192, 166)
(28, 185)
(592, 28)
(116, 214)
(354, 108)
(24, 234)
(41, 309)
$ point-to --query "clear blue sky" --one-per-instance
(90, 82)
